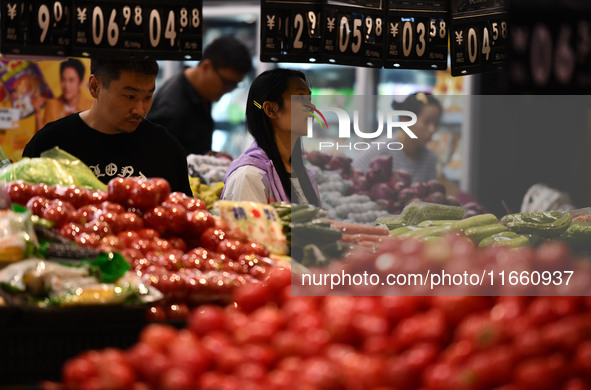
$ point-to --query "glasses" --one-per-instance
(228, 83)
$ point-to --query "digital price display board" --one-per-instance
(478, 36)
(417, 34)
(354, 32)
(36, 27)
(161, 30)
(291, 30)
(550, 47)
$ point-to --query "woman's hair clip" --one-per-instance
(257, 104)
(421, 97)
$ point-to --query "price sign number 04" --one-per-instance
(499, 30)
(154, 23)
(44, 18)
(345, 32)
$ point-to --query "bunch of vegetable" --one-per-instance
(385, 188)
(210, 169)
(312, 239)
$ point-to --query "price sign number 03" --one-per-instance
(437, 28)
(44, 18)
(186, 18)
(354, 34)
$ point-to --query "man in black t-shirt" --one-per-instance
(113, 138)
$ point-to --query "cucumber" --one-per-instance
(306, 214)
(477, 220)
(302, 235)
(479, 233)
(429, 231)
(391, 221)
(402, 230)
(437, 222)
(417, 212)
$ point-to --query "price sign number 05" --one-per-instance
(345, 31)
(44, 15)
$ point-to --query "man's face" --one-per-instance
(221, 81)
(125, 102)
(70, 83)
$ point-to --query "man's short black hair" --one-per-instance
(228, 52)
(109, 70)
(77, 65)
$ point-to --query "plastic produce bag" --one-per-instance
(17, 236)
(55, 166)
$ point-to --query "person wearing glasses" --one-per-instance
(183, 103)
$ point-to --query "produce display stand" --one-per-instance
(37, 342)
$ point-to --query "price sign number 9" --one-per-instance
(44, 18)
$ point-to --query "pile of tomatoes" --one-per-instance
(170, 239)
(272, 340)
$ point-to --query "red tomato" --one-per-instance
(144, 195)
(77, 371)
(177, 216)
(229, 248)
(119, 189)
(37, 204)
(157, 218)
(128, 221)
(429, 326)
(583, 357)
(178, 243)
(205, 319)
(87, 240)
(254, 248)
(158, 336)
(111, 243)
(78, 197)
(148, 233)
(156, 314)
(211, 238)
(58, 214)
(177, 311)
(71, 230)
(194, 204)
(278, 278)
(127, 237)
(98, 227)
(87, 213)
(176, 198)
(162, 187)
(20, 192)
(111, 207)
(198, 222)
(41, 190)
(97, 196)
(251, 296)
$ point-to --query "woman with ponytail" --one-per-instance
(272, 168)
